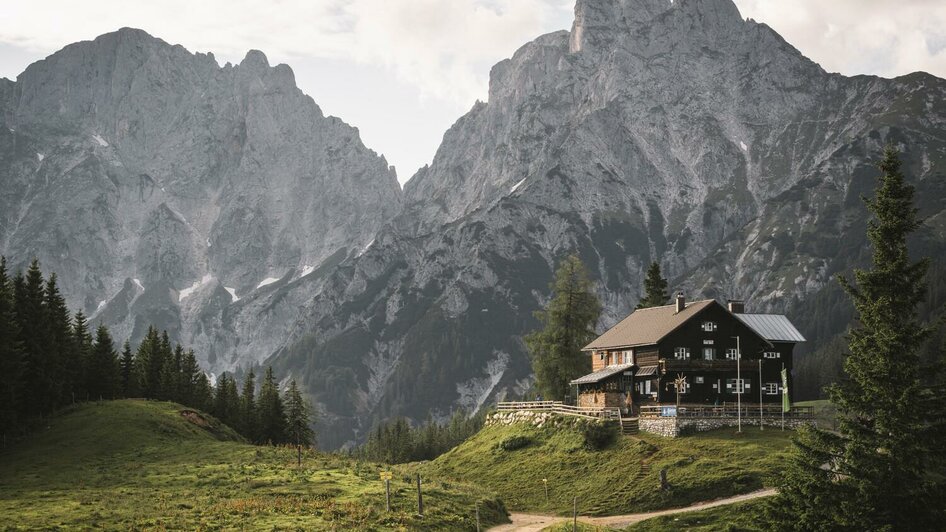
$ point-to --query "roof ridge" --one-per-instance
(688, 303)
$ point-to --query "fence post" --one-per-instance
(387, 494)
(420, 498)
(575, 514)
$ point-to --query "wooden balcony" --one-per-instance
(727, 410)
(674, 364)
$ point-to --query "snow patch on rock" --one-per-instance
(517, 185)
(98, 138)
(194, 287)
(267, 281)
(138, 284)
(306, 270)
(40, 156)
(232, 292)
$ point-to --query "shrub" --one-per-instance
(599, 435)
(513, 443)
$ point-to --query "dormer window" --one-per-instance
(709, 326)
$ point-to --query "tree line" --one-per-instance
(49, 358)
(397, 442)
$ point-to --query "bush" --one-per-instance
(599, 435)
(513, 443)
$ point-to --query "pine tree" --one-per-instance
(884, 468)
(567, 325)
(227, 401)
(272, 418)
(298, 420)
(129, 384)
(655, 288)
(81, 352)
(62, 349)
(41, 392)
(171, 375)
(203, 394)
(11, 358)
(148, 364)
(249, 419)
(104, 377)
(190, 375)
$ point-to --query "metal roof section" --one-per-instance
(646, 326)
(772, 327)
(601, 374)
(644, 371)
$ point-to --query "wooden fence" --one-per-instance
(558, 407)
(769, 411)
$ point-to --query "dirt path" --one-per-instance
(534, 522)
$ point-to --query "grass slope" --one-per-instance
(138, 464)
(621, 479)
(739, 517)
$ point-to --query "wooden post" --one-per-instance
(387, 494)
(298, 455)
(575, 514)
(663, 479)
(420, 498)
(545, 481)
(761, 427)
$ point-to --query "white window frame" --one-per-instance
(698, 379)
(709, 326)
(681, 353)
(772, 354)
(685, 388)
(771, 388)
(628, 357)
(711, 351)
(732, 353)
(732, 386)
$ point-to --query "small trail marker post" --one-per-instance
(575, 514)
(420, 498)
(386, 477)
(545, 482)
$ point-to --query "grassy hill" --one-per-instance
(139, 464)
(620, 479)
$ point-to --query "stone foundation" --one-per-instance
(600, 399)
(538, 419)
(671, 427)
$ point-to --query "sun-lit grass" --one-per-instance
(739, 517)
(621, 479)
(137, 464)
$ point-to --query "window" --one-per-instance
(684, 387)
(731, 354)
(709, 353)
(682, 353)
(709, 326)
(628, 357)
(771, 388)
(772, 354)
(737, 386)
(698, 380)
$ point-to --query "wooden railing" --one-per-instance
(727, 410)
(559, 407)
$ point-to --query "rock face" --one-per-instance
(676, 132)
(162, 188)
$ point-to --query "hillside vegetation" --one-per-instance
(139, 464)
(513, 460)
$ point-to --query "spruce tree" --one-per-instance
(227, 401)
(655, 288)
(272, 418)
(568, 324)
(104, 376)
(883, 470)
(148, 364)
(129, 384)
(11, 358)
(81, 352)
(298, 420)
(62, 349)
(248, 415)
(41, 392)
(190, 375)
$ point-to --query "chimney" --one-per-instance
(681, 302)
(736, 306)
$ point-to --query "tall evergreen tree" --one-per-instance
(298, 420)
(62, 351)
(11, 358)
(884, 469)
(227, 401)
(148, 364)
(272, 417)
(129, 385)
(655, 288)
(568, 324)
(249, 419)
(190, 374)
(41, 391)
(104, 376)
(81, 352)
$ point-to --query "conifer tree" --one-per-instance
(39, 368)
(129, 384)
(226, 401)
(298, 420)
(190, 375)
(884, 469)
(655, 288)
(567, 325)
(11, 357)
(63, 362)
(148, 364)
(249, 419)
(272, 418)
(203, 394)
(81, 353)
(171, 375)
(104, 377)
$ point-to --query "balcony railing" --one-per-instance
(768, 411)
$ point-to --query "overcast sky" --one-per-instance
(403, 71)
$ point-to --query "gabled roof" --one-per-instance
(772, 327)
(647, 326)
(601, 374)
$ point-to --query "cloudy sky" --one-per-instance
(403, 71)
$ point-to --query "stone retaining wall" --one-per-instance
(671, 427)
(538, 419)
